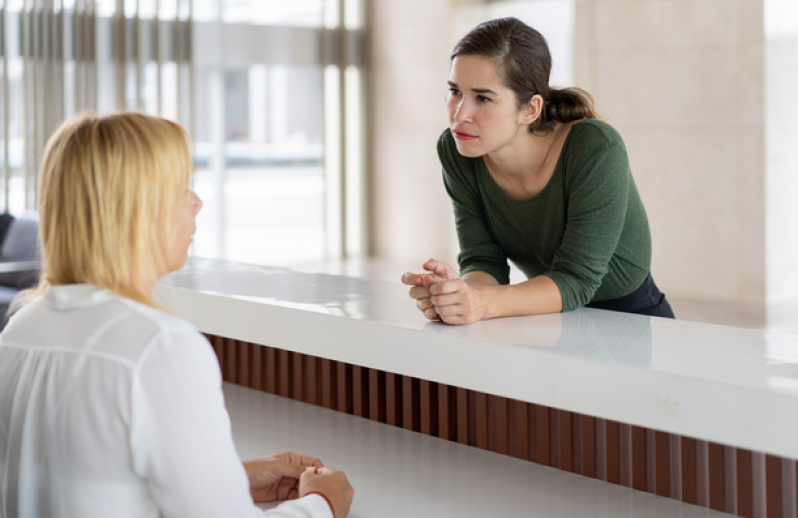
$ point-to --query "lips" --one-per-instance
(461, 135)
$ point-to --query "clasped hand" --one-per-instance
(284, 476)
(443, 295)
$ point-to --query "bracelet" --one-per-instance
(332, 510)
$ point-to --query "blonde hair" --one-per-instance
(108, 190)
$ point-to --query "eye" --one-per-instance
(483, 99)
(454, 92)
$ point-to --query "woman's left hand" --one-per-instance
(458, 302)
(276, 477)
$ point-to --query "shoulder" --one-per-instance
(593, 133)
(142, 330)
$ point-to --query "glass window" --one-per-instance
(258, 130)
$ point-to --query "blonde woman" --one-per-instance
(109, 406)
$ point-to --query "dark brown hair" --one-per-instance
(523, 59)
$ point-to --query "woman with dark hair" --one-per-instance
(535, 178)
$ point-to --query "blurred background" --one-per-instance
(315, 121)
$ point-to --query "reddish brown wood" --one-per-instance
(218, 348)
(462, 416)
(284, 369)
(689, 467)
(329, 383)
(481, 417)
(543, 443)
(500, 406)
(411, 409)
(425, 412)
(518, 430)
(613, 452)
(447, 412)
(639, 465)
(773, 488)
(229, 369)
(577, 443)
(589, 447)
(344, 377)
(428, 411)
(242, 363)
(272, 372)
(393, 399)
(663, 463)
(565, 441)
(745, 484)
(297, 366)
(256, 366)
(360, 394)
(312, 381)
(376, 395)
(717, 477)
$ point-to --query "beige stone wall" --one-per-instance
(683, 83)
(408, 58)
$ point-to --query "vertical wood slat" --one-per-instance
(462, 415)
(773, 489)
(328, 383)
(662, 483)
(589, 453)
(447, 413)
(720, 477)
(613, 459)
(242, 363)
(393, 399)
(717, 477)
(639, 457)
(745, 484)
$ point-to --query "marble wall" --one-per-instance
(685, 84)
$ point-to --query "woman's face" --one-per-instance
(183, 230)
(483, 113)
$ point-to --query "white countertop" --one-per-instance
(398, 474)
(729, 385)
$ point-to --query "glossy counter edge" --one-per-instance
(733, 415)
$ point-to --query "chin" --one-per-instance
(468, 151)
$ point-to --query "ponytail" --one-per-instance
(564, 105)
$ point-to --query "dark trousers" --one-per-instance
(645, 300)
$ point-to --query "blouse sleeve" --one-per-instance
(478, 250)
(597, 180)
(181, 439)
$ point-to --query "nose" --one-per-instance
(196, 203)
(461, 112)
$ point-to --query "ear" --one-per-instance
(531, 111)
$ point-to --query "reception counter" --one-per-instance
(701, 413)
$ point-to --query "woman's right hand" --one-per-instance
(420, 282)
(330, 483)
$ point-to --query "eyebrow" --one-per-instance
(476, 90)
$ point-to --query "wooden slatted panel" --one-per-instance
(589, 453)
(613, 453)
(639, 452)
(773, 491)
(662, 483)
(721, 477)
(717, 477)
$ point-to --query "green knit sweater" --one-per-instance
(587, 229)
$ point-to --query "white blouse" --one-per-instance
(112, 408)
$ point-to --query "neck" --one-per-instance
(527, 157)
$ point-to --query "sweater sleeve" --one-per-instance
(597, 183)
(181, 440)
(478, 249)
